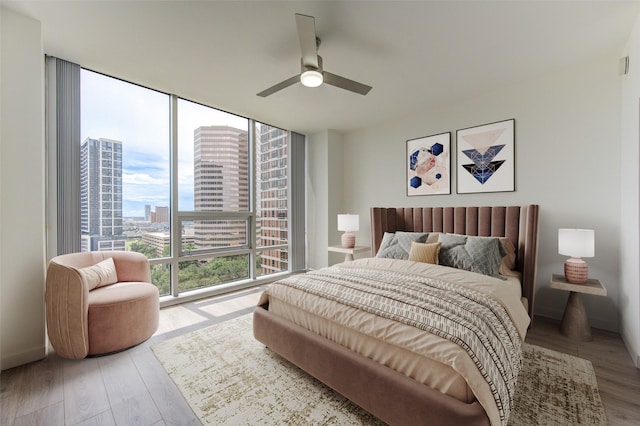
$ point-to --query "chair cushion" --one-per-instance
(122, 315)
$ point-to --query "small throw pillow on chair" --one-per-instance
(100, 274)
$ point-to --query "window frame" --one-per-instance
(177, 255)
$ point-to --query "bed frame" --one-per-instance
(389, 395)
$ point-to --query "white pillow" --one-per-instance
(100, 274)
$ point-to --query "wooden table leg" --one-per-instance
(575, 323)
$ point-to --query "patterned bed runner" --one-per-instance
(475, 321)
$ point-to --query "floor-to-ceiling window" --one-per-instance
(203, 193)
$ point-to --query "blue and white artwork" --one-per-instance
(486, 158)
(428, 165)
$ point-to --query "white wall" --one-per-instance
(22, 259)
(567, 161)
(629, 303)
(324, 196)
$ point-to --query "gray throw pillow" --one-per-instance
(476, 254)
(452, 252)
(486, 255)
(398, 245)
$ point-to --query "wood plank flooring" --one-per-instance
(618, 379)
(132, 388)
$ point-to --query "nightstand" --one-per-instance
(349, 252)
(575, 323)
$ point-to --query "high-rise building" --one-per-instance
(221, 184)
(101, 195)
(271, 196)
(160, 215)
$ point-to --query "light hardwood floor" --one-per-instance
(132, 388)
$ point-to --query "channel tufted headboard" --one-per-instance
(518, 223)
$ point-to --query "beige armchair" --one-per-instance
(99, 302)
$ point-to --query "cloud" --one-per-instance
(142, 179)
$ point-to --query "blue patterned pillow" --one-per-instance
(398, 245)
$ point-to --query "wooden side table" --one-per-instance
(349, 252)
(575, 323)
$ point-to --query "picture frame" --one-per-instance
(485, 158)
(428, 165)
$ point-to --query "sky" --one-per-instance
(139, 118)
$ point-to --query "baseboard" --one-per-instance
(24, 357)
(548, 313)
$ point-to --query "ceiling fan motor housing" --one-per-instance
(304, 67)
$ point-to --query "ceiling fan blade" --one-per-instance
(288, 82)
(307, 36)
(345, 83)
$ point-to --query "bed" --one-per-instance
(382, 375)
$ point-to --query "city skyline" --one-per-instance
(139, 118)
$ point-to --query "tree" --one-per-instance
(161, 277)
(144, 248)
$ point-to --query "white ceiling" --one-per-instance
(414, 54)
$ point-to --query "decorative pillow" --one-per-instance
(424, 252)
(397, 245)
(476, 254)
(451, 240)
(509, 259)
(486, 255)
(100, 274)
(433, 237)
(508, 264)
(453, 253)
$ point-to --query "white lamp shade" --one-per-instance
(348, 222)
(576, 242)
(311, 78)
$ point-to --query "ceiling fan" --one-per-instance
(312, 74)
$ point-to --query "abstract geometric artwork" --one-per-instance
(486, 158)
(429, 164)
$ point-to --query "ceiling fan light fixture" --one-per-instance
(311, 78)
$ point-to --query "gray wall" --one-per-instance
(22, 233)
(629, 297)
(567, 160)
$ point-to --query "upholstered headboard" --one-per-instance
(518, 223)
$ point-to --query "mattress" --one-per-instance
(420, 355)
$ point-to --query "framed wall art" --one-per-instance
(485, 158)
(429, 165)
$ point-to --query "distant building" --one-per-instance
(160, 240)
(160, 215)
(101, 195)
(221, 174)
(147, 211)
(221, 183)
(271, 196)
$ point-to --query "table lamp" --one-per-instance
(576, 243)
(348, 223)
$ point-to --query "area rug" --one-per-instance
(229, 378)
